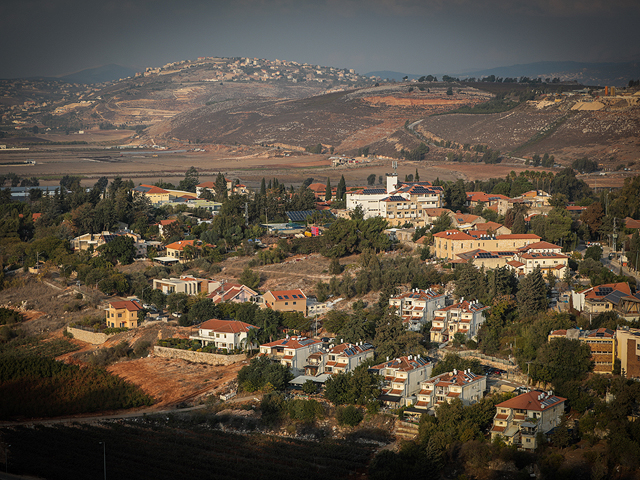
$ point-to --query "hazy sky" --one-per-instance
(56, 37)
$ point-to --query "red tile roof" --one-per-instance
(532, 401)
(129, 305)
(226, 326)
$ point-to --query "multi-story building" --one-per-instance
(402, 378)
(601, 342)
(416, 306)
(229, 334)
(184, 250)
(519, 419)
(292, 352)
(123, 314)
(450, 243)
(341, 358)
(234, 293)
(285, 301)
(600, 299)
(465, 386)
(463, 317)
(628, 351)
(543, 255)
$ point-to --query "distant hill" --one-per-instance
(617, 74)
(105, 73)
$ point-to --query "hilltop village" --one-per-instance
(494, 315)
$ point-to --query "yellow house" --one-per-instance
(286, 301)
(450, 243)
(123, 314)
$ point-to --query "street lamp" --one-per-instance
(104, 455)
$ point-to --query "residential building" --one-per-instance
(465, 386)
(164, 224)
(123, 314)
(416, 306)
(341, 358)
(156, 195)
(519, 419)
(490, 228)
(450, 243)
(481, 198)
(229, 334)
(483, 258)
(401, 379)
(628, 351)
(543, 255)
(601, 342)
(233, 292)
(292, 352)
(463, 317)
(184, 250)
(602, 298)
(185, 284)
(285, 301)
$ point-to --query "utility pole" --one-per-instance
(615, 236)
(246, 214)
(104, 456)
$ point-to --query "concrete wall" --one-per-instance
(89, 337)
(198, 357)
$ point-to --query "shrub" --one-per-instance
(349, 415)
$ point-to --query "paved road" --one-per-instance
(614, 264)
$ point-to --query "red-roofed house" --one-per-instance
(628, 223)
(229, 334)
(123, 314)
(184, 250)
(286, 301)
(450, 243)
(291, 351)
(233, 292)
(519, 419)
(464, 317)
(544, 255)
(341, 358)
(603, 298)
(466, 386)
(402, 378)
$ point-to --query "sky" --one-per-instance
(58, 37)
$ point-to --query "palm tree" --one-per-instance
(253, 336)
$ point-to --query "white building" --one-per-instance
(402, 378)
(416, 307)
(341, 358)
(466, 386)
(229, 334)
(464, 317)
(292, 352)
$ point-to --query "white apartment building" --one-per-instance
(465, 386)
(402, 378)
(464, 317)
(416, 307)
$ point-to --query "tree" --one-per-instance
(449, 91)
(121, 250)
(592, 217)
(199, 312)
(519, 226)
(327, 190)
(221, 188)
(594, 252)
(371, 179)
(417, 176)
(532, 294)
(634, 250)
(341, 189)
(191, 179)
(561, 360)
(250, 278)
(262, 371)
(442, 223)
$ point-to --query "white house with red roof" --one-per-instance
(464, 317)
(234, 293)
(185, 284)
(401, 379)
(519, 419)
(465, 386)
(416, 306)
(292, 352)
(602, 298)
(285, 301)
(229, 334)
(543, 255)
(341, 358)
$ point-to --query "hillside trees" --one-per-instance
(532, 294)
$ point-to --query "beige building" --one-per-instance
(628, 351)
(519, 419)
(341, 358)
(450, 243)
(285, 301)
(601, 342)
(123, 314)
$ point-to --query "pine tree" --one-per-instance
(532, 294)
(518, 224)
(327, 191)
(342, 188)
(417, 176)
(263, 187)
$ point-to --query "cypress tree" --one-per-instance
(263, 187)
(342, 188)
(327, 191)
(532, 293)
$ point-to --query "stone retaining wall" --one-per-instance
(89, 337)
(198, 357)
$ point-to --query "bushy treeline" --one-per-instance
(37, 386)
